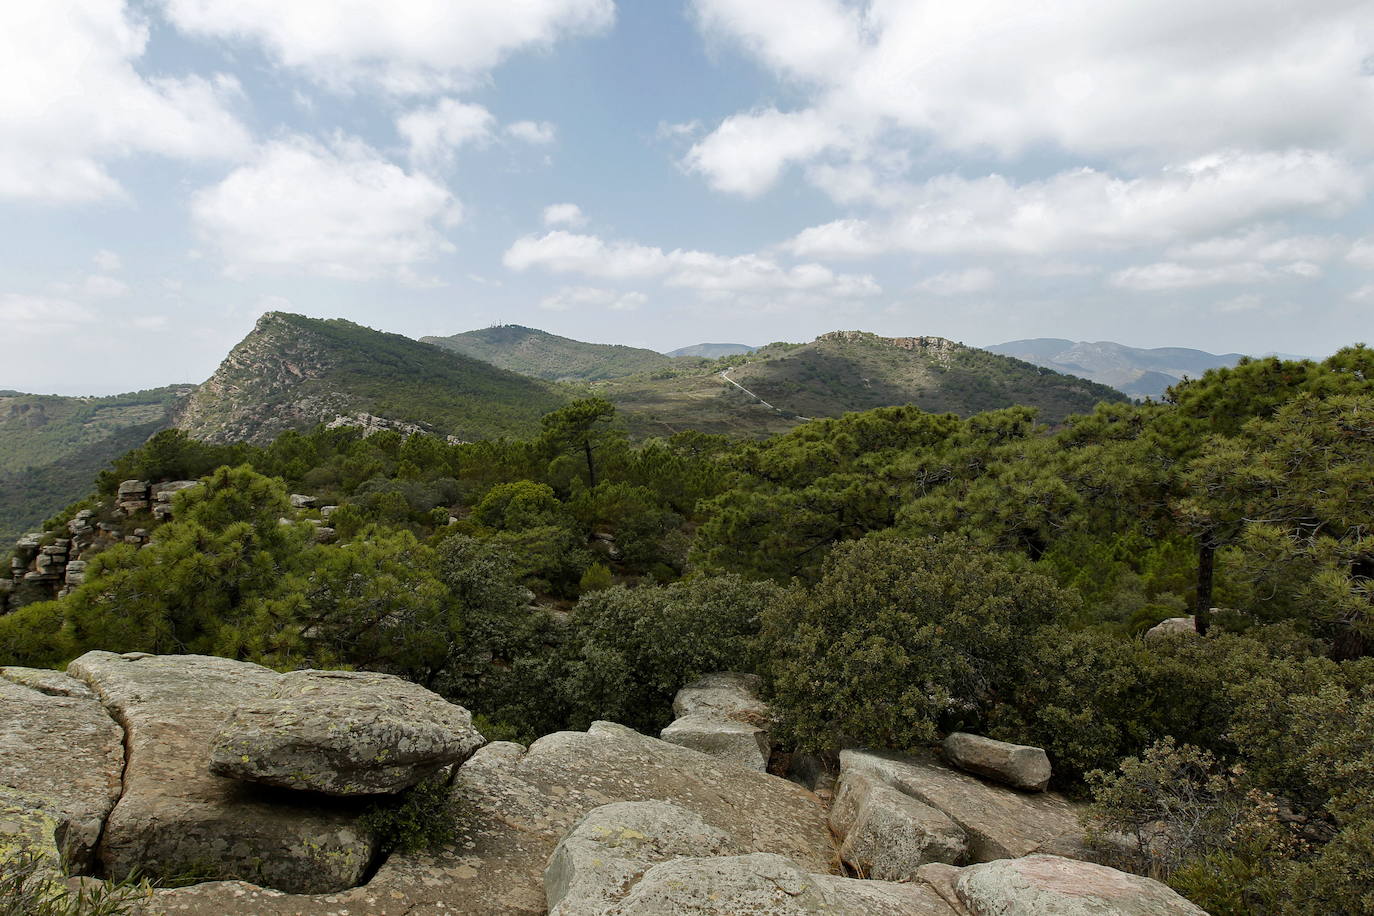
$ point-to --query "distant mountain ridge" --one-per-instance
(540, 354)
(51, 446)
(292, 372)
(1136, 371)
(713, 350)
(772, 389)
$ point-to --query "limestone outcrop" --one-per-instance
(175, 817)
(1016, 765)
(722, 715)
(343, 733)
(1064, 887)
(607, 822)
(1000, 822)
(61, 759)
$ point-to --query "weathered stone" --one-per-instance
(175, 817)
(326, 512)
(763, 884)
(1016, 765)
(1173, 626)
(729, 740)
(613, 845)
(163, 492)
(132, 490)
(343, 733)
(325, 535)
(63, 756)
(942, 878)
(301, 501)
(1054, 886)
(75, 573)
(894, 834)
(53, 683)
(517, 804)
(728, 694)
(1000, 822)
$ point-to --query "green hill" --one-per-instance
(777, 386)
(293, 372)
(548, 356)
(52, 446)
(712, 350)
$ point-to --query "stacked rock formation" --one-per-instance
(251, 777)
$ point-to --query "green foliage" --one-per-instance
(548, 356)
(901, 638)
(597, 578)
(29, 887)
(632, 649)
(419, 819)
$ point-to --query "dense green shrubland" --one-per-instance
(893, 575)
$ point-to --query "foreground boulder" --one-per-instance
(1016, 765)
(764, 884)
(1064, 887)
(610, 848)
(891, 835)
(61, 758)
(738, 743)
(721, 715)
(175, 817)
(514, 805)
(1000, 823)
(343, 733)
(655, 857)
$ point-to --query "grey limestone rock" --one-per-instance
(1016, 765)
(62, 762)
(1053, 886)
(175, 817)
(343, 733)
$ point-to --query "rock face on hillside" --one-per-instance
(292, 372)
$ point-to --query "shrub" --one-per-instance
(29, 887)
(900, 638)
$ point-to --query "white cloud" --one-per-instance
(339, 210)
(564, 215)
(435, 133)
(1363, 294)
(107, 260)
(1262, 243)
(1004, 76)
(72, 101)
(98, 286)
(538, 133)
(958, 282)
(33, 316)
(1361, 253)
(416, 46)
(564, 252)
(151, 322)
(746, 153)
(1086, 208)
(1169, 275)
(571, 297)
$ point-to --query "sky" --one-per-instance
(666, 172)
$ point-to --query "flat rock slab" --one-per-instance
(343, 733)
(764, 884)
(54, 683)
(728, 740)
(894, 835)
(515, 804)
(608, 850)
(61, 760)
(1016, 765)
(175, 818)
(1055, 886)
(1001, 823)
